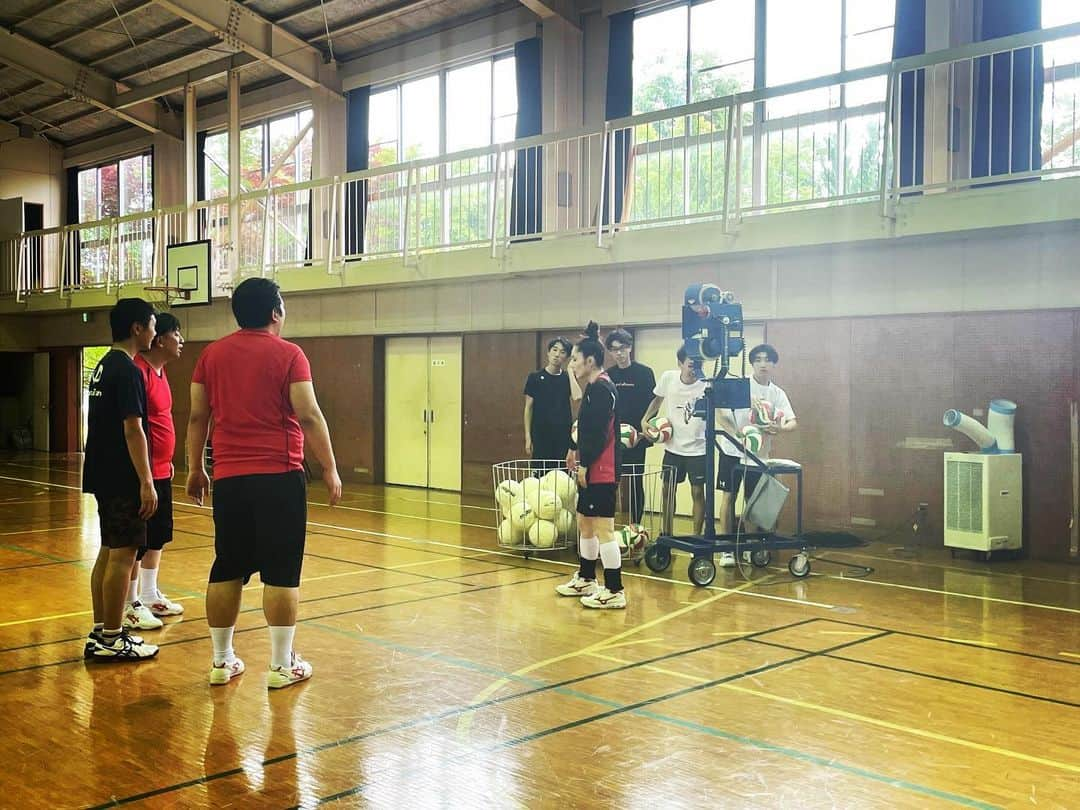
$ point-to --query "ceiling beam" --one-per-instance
(565, 10)
(80, 82)
(177, 82)
(368, 20)
(245, 30)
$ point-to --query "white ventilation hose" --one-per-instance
(999, 421)
(970, 428)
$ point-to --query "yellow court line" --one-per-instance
(660, 671)
(1069, 654)
(41, 531)
(465, 721)
(847, 632)
(632, 643)
(47, 618)
(917, 732)
(971, 641)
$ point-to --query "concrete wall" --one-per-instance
(31, 168)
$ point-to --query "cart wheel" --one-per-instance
(525, 554)
(799, 565)
(658, 558)
(636, 561)
(702, 571)
(761, 558)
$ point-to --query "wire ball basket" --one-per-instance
(536, 502)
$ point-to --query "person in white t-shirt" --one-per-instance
(674, 397)
(730, 472)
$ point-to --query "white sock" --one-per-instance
(148, 585)
(281, 639)
(222, 640)
(133, 591)
(589, 547)
(610, 555)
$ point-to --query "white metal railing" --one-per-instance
(917, 124)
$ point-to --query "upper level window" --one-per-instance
(115, 189)
(452, 110)
(273, 152)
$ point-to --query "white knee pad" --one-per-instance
(610, 555)
(589, 547)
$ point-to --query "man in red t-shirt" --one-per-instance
(257, 388)
(145, 602)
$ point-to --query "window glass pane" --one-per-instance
(148, 180)
(420, 118)
(282, 133)
(132, 186)
(1063, 51)
(722, 48)
(659, 69)
(468, 107)
(504, 89)
(109, 190)
(868, 15)
(802, 40)
(216, 162)
(302, 157)
(383, 128)
(88, 195)
(251, 158)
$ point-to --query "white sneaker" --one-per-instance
(161, 606)
(747, 557)
(298, 670)
(577, 587)
(223, 673)
(727, 560)
(605, 600)
(123, 648)
(137, 616)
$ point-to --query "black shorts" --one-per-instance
(260, 524)
(597, 500)
(121, 526)
(159, 529)
(692, 467)
(731, 472)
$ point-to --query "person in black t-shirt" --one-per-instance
(635, 383)
(116, 469)
(547, 406)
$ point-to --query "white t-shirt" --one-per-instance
(687, 430)
(772, 393)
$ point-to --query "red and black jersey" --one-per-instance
(598, 444)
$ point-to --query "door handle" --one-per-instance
(432, 419)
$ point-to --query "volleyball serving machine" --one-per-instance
(712, 330)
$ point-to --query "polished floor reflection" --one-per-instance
(447, 673)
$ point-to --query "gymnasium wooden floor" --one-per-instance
(448, 674)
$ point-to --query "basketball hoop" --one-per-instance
(171, 293)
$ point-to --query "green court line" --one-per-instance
(801, 756)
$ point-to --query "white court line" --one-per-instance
(39, 531)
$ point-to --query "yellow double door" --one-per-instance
(423, 412)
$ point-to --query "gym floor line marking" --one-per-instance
(560, 688)
(465, 721)
(632, 643)
(650, 668)
(1070, 654)
(970, 641)
(640, 709)
(41, 531)
(942, 566)
(942, 592)
(913, 730)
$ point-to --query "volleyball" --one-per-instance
(522, 515)
(506, 493)
(761, 413)
(530, 488)
(509, 534)
(546, 503)
(752, 438)
(632, 538)
(542, 534)
(565, 524)
(659, 429)
(563, 486)
(628, 435)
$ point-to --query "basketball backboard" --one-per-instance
(187, 268)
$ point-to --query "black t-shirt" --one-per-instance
(117, 392)
(551, 403)
(634, 385)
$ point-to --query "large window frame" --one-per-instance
(289, 221)
(132, 240)
(452, 194)
(774, 132)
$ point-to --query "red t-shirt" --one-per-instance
(247, 376)
(159, 415)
